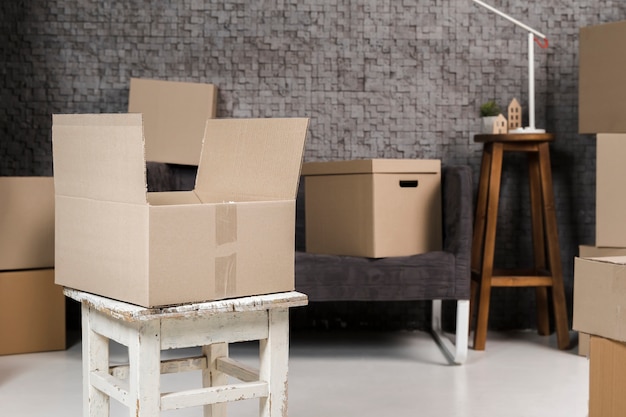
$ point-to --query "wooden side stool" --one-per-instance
(212, 325)
(547, 272)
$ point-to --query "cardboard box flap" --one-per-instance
(100, 157)
(617, 260)
(174, 116)
(368, 166)
(251, 159)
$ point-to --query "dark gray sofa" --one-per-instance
(441, 275)
(437, 276)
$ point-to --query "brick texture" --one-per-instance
(378, 78)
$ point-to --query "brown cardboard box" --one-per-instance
(588, 251)
(233, 235)
(583, 343)
(373, 208)
(602, 79)
(610, 199)
(174, 117)
(607, 378)
(32, 312)
(26, 222)
(600, 296)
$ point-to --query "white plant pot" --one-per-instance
(487, 124)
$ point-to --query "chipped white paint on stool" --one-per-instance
(212, 325)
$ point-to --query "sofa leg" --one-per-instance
(462, 330)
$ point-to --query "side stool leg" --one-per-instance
(144, 355)
(472, 307)
(486, 270)
(95, 358)
(212, 377)
(274, 356)
(554, 255)
(478, 239)
(538, 235)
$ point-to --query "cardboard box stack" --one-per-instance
(233, 235)
(599, 308)
(32, 307)
(602, 111)
(373, 208)
(600, 271)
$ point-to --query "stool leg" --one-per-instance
(478, 238)
(486, 271)
(274, 352)
(212, 377)
(538, 235)
(144, 356)
(95, 358)
(554, 256)
(473, 300)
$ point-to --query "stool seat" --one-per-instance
(211, 325)
(514, 138)
(546, 273)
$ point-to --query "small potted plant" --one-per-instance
(489, 111)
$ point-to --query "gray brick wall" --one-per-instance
(378, 78)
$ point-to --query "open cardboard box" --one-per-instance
(174, 115)
(232, 236)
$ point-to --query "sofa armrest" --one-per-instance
(457, 207)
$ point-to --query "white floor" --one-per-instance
(397, 374)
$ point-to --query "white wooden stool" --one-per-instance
(212, 325)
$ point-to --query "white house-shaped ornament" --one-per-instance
(500, 125)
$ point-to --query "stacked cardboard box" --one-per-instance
(373, 207)
(601, 111)
(599, 279)
(599, 309)
(32, 308)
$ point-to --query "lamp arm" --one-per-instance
(515, 21)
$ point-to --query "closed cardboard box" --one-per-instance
(600, 296)
(373, 208)
(174, 115)
(602, 79)
(32, 312)
(26, 223)
(233, 235)
(583, 343)
(610, 198)
(607, 378)
(588, 251)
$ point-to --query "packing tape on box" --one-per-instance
(226, 250)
